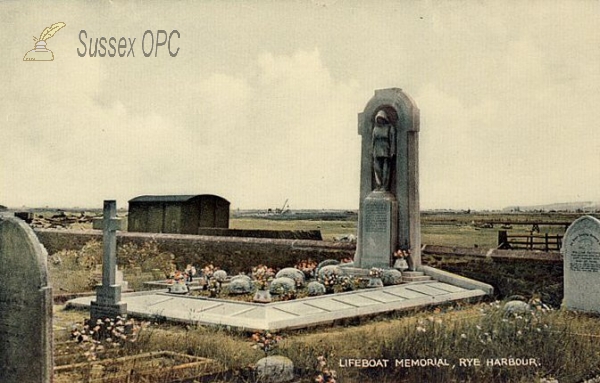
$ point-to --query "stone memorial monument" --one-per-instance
(108, 302)
(581, 262)
(389, 217)
(25, 306)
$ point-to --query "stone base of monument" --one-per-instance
(456, 280)
(103, 311)
(151, 367)
(414, 276)
(108, 303)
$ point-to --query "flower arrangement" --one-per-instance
(262, 275)
(213, 286)
(402, 253)
(176, 277)
(265, 341)
(208, 271)
(307, 266)
(329, 279)
(375, 272)
(346, 283)
(400, 256)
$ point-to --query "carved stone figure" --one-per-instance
(384, 149)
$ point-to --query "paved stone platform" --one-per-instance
(292, 314)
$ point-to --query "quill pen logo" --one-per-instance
(40, 52)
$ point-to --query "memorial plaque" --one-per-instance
(581, 252)
(25, 306)
(378, 229)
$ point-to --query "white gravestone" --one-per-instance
(581, 262)
(25, 306)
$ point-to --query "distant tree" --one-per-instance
(3, 208)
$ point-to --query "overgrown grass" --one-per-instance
(541, 344)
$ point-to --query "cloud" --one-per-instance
(286, 131)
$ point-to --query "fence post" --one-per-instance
(503, 239)
(546, 246)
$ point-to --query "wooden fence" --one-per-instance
(545, 242)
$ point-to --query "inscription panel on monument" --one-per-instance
(378, 230)
(377, 218)
(585, 253)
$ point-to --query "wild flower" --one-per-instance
(106, 334)
(265, 341)
(325, 374)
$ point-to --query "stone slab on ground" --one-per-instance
(293, 314)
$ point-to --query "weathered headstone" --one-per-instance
(389, 216)
(108, 302)
(581, 252)
(25, 306)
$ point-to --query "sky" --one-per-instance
(260, 103)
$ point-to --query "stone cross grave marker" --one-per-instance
(25, 306)
(108, 302)
(581, 263)
(389, 216)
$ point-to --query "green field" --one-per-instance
(444, 229)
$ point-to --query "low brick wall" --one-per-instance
(233, 254)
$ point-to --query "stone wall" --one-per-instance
(233, 254)
(510, 272)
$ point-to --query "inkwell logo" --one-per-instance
(40, 52)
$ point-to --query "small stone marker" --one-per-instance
(275, 369)
(108, 295)
(581, 252)
(25, 306)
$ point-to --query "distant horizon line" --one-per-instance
(567, 207)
